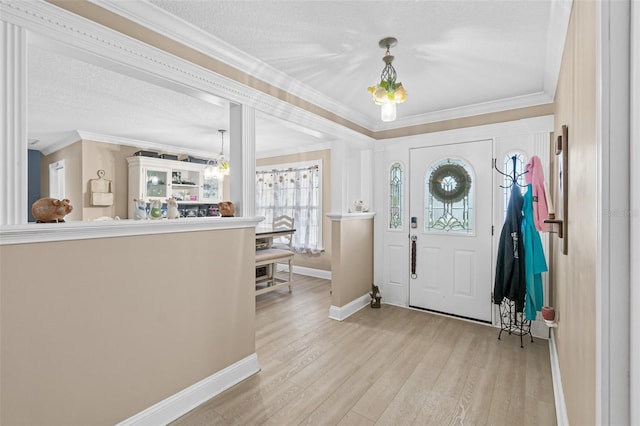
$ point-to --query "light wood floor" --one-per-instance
(388, 366)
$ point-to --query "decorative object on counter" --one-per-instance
(140, 210)
(156, 209)
(101, 195)
(172, 209)
(375, 296)
(226, 209)
(213, 210)
(51, 210)
(358, 205)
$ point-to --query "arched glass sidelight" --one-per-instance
(395, 196)
(449, 197)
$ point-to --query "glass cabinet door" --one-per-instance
(157, 183)
(210, 187)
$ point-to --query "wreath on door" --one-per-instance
(461, 183)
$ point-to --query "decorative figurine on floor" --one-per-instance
(140, 210)
(51, 210)
(375, 296)
(172, 209)
(226, 208)
(156, 209)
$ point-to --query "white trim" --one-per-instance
(340, 313)
(612, 222)
(539, 329)
(78, 135)
(13, 126)
(312, 272)
(634, 344)
(562, 418)
(46, 232)
(467, 111)
(157, 19)
(342, 217)
(187, 399)
(163, 22)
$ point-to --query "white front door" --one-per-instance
(450, 208)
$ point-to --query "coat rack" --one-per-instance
(511, 321)
(512, 178)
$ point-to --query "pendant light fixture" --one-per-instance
(220, 166)
(388, 92)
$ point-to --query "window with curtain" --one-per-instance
(293, 190)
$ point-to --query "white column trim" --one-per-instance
(13, 149)
(613, 405)
(243, 158)
(634, 323)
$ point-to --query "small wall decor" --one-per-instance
(101, 195)
(51, 210)
(562, 149)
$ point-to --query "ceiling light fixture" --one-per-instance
(388, 93)
(220, 166)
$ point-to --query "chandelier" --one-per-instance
(220, 166)
(388, 92)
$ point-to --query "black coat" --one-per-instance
(510, 278)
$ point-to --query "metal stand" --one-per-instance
(513, 322)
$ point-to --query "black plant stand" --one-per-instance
(513, 322)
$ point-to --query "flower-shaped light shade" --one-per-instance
(388, 92)
(220, 166)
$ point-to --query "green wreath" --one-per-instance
(455, 172)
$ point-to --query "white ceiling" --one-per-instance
(451, 55)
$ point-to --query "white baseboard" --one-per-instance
(539, 329)
(311, 272)
(344, 312)
(562, 418)
(187, 399)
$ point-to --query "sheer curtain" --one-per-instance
(293, 192)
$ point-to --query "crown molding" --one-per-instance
(53, 27)
(163, 22)
(540, 98)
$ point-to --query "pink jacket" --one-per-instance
(535, 177)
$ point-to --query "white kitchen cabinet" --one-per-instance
(156, 178)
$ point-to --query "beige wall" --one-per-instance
(94, 331)
(72, 155)
(351, 260)
(113, 160)
(323, 260)
(573, 275)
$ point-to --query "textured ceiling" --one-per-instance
(451, 54)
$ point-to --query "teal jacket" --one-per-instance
(534, 262)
